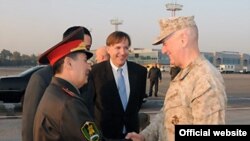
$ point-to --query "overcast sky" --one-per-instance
(33, 26)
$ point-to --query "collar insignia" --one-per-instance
(68, 91)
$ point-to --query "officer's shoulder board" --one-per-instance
(67, 91)
(90, 131)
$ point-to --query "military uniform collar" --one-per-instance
(184, 72)
(66, 86)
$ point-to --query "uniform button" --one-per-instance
(175, 120)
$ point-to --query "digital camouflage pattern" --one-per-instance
(196, 96)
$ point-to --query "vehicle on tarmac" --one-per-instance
(12, 87)
(227, 68)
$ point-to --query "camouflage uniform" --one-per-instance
(196, 96)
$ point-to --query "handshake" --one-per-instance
(132, 136)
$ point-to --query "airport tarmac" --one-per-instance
(238, 109)
(10, 129)
(236, 113)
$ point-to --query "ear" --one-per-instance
(67, 62)
(108, 49)
(184, 39)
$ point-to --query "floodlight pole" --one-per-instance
(173, 7)
(116, 22)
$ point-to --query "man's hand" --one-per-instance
(135, 137)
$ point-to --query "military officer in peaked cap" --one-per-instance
(62, 114)
(38, 83)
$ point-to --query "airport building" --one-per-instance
(225, 61)
(148, 57)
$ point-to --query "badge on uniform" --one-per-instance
(90, 131)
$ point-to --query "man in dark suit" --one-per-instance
(154, 76)
(116, 112)
(39, 81)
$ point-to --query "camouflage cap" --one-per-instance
(171, 25)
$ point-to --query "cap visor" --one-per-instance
(89, 55)
(157, 42)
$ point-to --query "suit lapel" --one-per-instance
(132, 82)
(113, 87)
